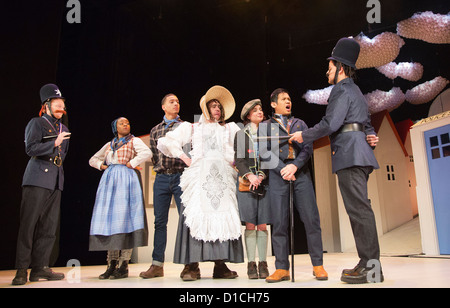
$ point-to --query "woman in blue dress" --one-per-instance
(118, 221)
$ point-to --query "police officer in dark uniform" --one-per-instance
(352, 138)
(46, 142)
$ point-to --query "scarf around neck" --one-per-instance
(117, 142)
(168, 122)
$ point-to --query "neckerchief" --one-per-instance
(168, 122)
(117, 143)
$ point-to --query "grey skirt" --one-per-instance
(190, 250)
(253, 208)
(131, 240)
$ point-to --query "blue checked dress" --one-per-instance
(118, 219)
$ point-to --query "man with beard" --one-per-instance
(347, 122)
(46, 143)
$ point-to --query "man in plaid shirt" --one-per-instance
(168, 171)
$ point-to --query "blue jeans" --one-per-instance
(165, 186)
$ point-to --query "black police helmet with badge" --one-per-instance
(47, 93)
(346, 51)
(50, 91)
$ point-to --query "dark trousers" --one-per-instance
(165, 186)
(305, 203)
(39, 215)
(353, 186)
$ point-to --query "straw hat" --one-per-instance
(223, 96)
(248, 107)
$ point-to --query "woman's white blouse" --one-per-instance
(142, 150)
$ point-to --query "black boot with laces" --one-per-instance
(121, 272)
(112, 266)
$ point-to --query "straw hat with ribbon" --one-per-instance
(223, 96)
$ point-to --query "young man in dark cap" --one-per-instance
(46, 143)
(347, 122)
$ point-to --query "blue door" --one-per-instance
(438, 153)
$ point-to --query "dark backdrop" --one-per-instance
(127, 54)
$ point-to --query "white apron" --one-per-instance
(209, 184)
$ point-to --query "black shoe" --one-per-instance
(21, 277)
(361, 274)
(121, 272)
(112, 266)
(44, 273)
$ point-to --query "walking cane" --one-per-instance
(291, 225)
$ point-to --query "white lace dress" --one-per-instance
(210, 226)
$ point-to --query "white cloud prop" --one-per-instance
(426, 91)
(426, 26)
(380, 100)
(378, 51)
(405, 70)
(319, 97)
(377, 100)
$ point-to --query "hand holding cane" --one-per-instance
(291, 225)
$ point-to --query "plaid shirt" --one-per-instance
(161, 162)
(124, 154)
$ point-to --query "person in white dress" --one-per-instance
(209, 228)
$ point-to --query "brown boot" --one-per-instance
(221, 271)
(153, 272)
(320, 273)
(252, 271)
(263, 270)
(279, 275)
(191, 272)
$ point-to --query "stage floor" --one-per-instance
(399, 272)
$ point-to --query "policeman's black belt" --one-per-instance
(351, 127)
